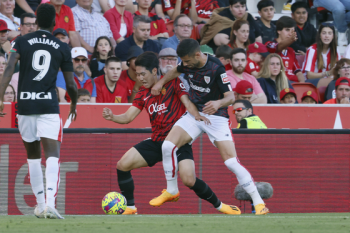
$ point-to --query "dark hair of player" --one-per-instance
(96, 54)
(83, 92)
(237, 50)
(112, 59)
(265, 3)
(242, 2)
(246, 104)
(298, 5)
(46, 16)
(149, 60)
(179, 17)
(188, 47)
(285, 22)
(223, 51)
(26, 15)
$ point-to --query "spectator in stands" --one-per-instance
(256, 53)
(206, 50)
(342, 92)
(141, 28)
(28, 24)
(341, 15)
(243, 111)
(10, 94)
(120, 21)
(109, 87)
(80, 58)
(239, 34)
(309, 97)
(306, 32)
(238, 62)
(83, 96)
(90, 25)
(25, 6)
(341, 69)
(6, 14)
(288, 96)
(5, 45)
(285, 27)
(158, 28)
(129, 76)
(273, 78)
(182, 30)
(321, 57)
(61, 34)
(218, 30)
(243, 90)
(102, 50)
(64, 19)
(267, 27)
(131, 5)
(223, 54)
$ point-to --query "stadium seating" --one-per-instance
(321, 94)
(300, 88)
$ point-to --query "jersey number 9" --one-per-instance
(45, 58)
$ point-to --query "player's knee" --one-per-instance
(167, 147)
(188, 180)
(122, 166)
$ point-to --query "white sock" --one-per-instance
(36, 181)
(219, 206)
(131, 207)
(244, 179)
(52, 180)
(170, 166)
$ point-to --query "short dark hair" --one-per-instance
(298, 5)
(246, 104)
(232, 2)
(223, 51)
(265, 3)
(188, 47)
(149, 60)
(141, 18)
(26, 15)
(179, 17)
(83, 92)
(237, 50)
(285, 22)
(46, 14)
(112, 59)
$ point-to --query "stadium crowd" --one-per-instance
(266, 60)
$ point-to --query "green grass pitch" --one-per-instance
(271, 223)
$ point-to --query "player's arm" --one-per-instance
(191, 108)
(72, 91)
(124, 118)
(172, 74)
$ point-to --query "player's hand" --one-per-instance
(72, 112)
(156, 89)
(107, 114)
(2, 114)
(203, 118)
(211, 107)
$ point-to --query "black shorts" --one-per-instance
(151, 151)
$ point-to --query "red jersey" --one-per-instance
(228, 67)
(331, 101)
(251, 66)
(157, 24)
(104, 95)
(65, 19)
(164, 109)
(204, 7)
(129, 82)
(290, 62)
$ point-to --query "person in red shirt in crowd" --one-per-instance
(129, 75)
(109, 87)
(158, 28)
(223, 54)
(342, 92)
(321, 57)
(64, 19)
(288, 96)
(243, 90)
(309, 97)
(256, 53)
(285, 27)
(120, 21)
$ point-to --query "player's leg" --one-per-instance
(202, 190)
(28, 131)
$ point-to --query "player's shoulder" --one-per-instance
(213, 61)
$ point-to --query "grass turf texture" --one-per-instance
(279, 223)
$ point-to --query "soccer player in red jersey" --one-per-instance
(164, 110)
(109, 88)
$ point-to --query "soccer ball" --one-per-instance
(114, 203)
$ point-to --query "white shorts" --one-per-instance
(218, 130)
(34, 127)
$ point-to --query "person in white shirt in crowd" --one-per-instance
(6, 13)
